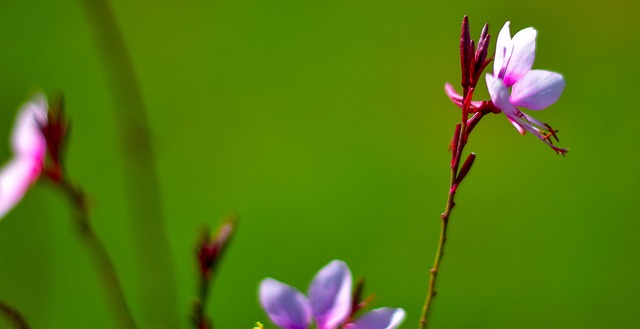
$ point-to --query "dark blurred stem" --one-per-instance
(13, 316)
(104, 266)
(200, 319)
(460, 140)
(155, 271)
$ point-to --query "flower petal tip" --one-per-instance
(286, 306)
(27, 138)
(380, 318)
(537, 90)
(453, 94)
(330, 294)
(29, 150)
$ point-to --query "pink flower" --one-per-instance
(533, 89)
(29, 150)
(329, 303)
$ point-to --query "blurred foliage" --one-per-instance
(324, 125)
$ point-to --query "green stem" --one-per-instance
(459, 144)
(152, 250)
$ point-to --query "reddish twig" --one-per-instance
(473, 61)
(55, 131)
(110, 282)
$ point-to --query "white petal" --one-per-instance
(27, 138)
(524, 52)
(287, 307)
(537, 90)
(330, 295)
(503, 49)
(15, 179)
(380, 318)
(517, 125)
(500, 95)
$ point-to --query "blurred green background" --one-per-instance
(324, 125)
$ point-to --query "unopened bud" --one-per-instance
(454, 143)
(55, 132)
(466, 166)
(211, 248)
(466, 52)
(480, 61)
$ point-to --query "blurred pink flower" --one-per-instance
(29, 150)
(329, 303)
(533, 89)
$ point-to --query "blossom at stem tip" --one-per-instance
(514, 84)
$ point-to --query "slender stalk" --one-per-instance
(211, 250)
(110, 282)
(460, 140)
(436, 267)
(13, 316)
(200, 320)
(152, 251)
(472, 62)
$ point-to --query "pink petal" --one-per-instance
(27, 138)
(503, 50)
(500, 95)
(521, 60)
(330, 295)
(537, 90)
(15, 179)
(287, 307)
(453, 94)
(457, 98)
(380, 318)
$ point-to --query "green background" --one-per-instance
(324, 125)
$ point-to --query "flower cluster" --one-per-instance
(514, 84)
(329, 303)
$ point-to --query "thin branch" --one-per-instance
(13, 316)
(471, 70)
(110, 282)
(453, 187)
(210, 252)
